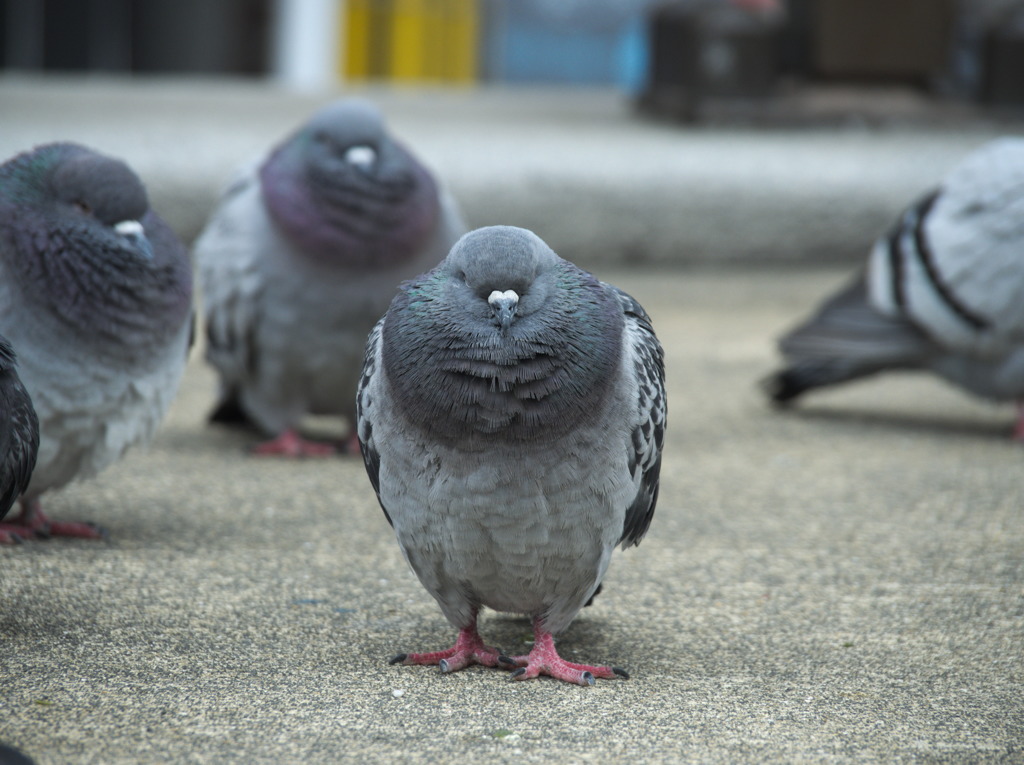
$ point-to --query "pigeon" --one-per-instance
(943, 292)
(96, 296)
(299, 261)
(19, 438)
(511, 415)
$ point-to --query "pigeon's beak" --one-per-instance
(504, 305)
(133, 231)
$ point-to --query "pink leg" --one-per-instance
(1018, 428)
(33, 522)
(543, 659)
(291, 444)
(469, 649)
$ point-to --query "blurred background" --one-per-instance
(668, 55)
(621, 131)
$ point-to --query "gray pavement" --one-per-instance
(841, 583)
(577, 165)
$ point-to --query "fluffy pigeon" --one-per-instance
(943, 291)
(511, 419)
(96, 296)
(19, 438)
(301, 259)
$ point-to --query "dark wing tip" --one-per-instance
(229, 411)
(784, 386)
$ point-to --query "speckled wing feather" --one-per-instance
(227, 252)
(951, 264)
(371, 457)
(943, 291)
(19, 432)
(642, 349)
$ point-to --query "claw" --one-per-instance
(398, 658)
(10, 538)
(621, 672)
(517, 673)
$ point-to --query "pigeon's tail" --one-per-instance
(229, 411)
(788, 384)
(847, 339)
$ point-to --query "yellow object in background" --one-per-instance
(411, 40)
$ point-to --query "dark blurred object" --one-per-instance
(882, 40)
(1003, 77)
(710, 50)
(226, 36)
(11, 756)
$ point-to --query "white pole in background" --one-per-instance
(306, 43)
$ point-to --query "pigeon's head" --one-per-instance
(342, 188)
(502, 272)
(344, 138)
(101, 187)
(82, 237)
(503, 340)
(72, 189)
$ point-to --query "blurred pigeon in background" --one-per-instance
(511, 417)
(96, 297)
(943, 291)
(19, 438)
(302, 257)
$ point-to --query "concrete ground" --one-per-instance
(839, 583)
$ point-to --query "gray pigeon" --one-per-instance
(943, 291)
(19, 438)
(96, 296)
(511, 418)
(302, 257)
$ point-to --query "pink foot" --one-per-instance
(291, 444)
(469, 649)
(33, 522)
(543, 659)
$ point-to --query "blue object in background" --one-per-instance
(525, 44)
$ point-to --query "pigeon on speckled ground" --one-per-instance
(96, 298)
(943, 291)
(19, 438)
(301, 259)
(511, 418)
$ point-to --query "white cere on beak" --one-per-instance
(508, 297)
(130, 228)
(504, 306)
(133, 231)
(361, 156)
